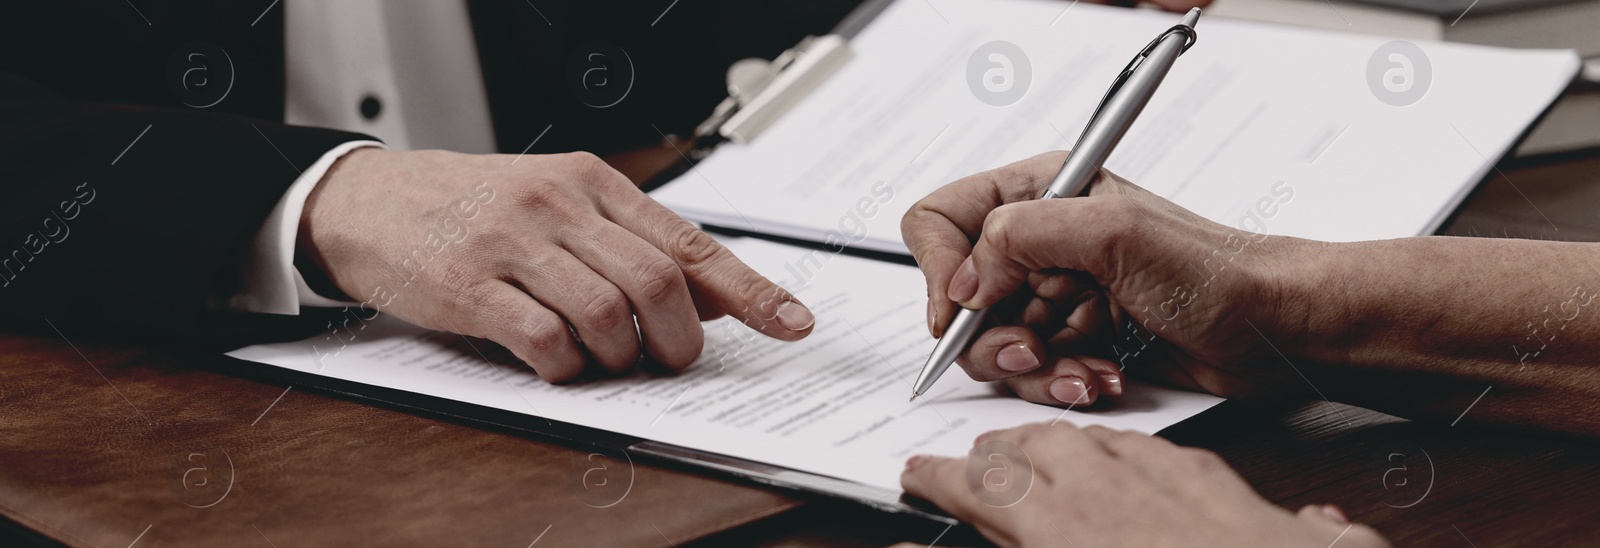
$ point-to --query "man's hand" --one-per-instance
(1058, 485)
(1085, 286)
(559, 258)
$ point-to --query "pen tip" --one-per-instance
(1191, 18)
(913, 398)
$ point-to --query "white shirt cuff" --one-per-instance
(271, 284)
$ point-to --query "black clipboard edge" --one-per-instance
(801, 484)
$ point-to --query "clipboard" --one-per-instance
(760, 91)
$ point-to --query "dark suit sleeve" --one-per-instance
(123, 222)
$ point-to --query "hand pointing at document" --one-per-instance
(559, 258)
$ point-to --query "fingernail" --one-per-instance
(935, 334)
(1070, 390)
(1113, 385)
(795, 316)
(1336, 513)
(1016, 358)
(965, 283)
(915, 461)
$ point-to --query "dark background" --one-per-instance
(118, 51)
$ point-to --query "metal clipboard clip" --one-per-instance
(760, 91)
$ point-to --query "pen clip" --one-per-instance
(1190, 36)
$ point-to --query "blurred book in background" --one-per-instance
(1572, 124)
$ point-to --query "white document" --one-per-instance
(1253, 111)
(833, 404)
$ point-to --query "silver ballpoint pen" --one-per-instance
(1111, 120)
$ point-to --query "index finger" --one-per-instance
(940, 228)
(714, 274)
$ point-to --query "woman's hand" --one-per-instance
(1058, 485)
(1083, 287)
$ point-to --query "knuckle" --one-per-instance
(543, 342)
(660, 279)
(997, 228)
(923, 233)
(607, 311)
(589, 168)
(541, 192)
(465, 277)
(544, 334)
(545, 259)
(908, 222)
(478, 299)
(584, 160)
(691, 247)
(920, 212)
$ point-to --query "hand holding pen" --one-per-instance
(1129, 93)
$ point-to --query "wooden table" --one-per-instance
(1419, 484)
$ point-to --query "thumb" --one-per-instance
(1024, 237)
